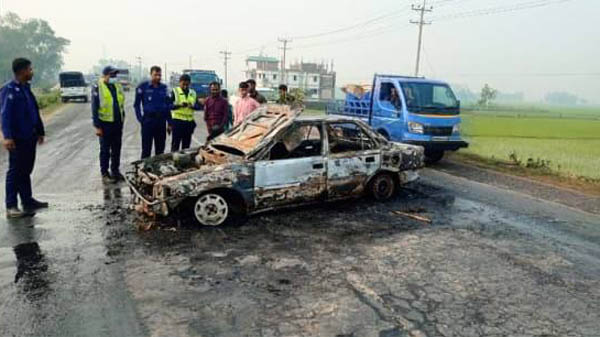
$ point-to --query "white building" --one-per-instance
(316, 79)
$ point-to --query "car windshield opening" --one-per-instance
(228, 149)
(429, 98)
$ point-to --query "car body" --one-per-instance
(73, 86)
(426, 112)
(273, 159)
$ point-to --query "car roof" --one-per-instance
(327, 118)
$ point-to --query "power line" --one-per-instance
(226, 56)
(423, 9)
(501, 9)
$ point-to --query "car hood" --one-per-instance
(257, 129)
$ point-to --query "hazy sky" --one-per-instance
(555, 47)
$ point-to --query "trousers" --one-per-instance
(18, 177)
(182, 135)
(110, 147)
(154, 130)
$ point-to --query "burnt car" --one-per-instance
(275, 158)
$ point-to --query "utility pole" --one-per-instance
(139, 59)
(285, 49)
(420, 8)
(226, 56)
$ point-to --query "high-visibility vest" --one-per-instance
(184, 114)
(105, 110)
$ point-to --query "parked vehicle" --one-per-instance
(421, 112)
(124, 78)
(73, 86)
(274, 159)
(201, 80)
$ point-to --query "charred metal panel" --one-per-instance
(282, 182)
(348, 172)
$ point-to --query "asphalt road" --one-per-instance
(496, 260)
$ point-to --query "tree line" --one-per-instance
(35, 40)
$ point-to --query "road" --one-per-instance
(495, 261)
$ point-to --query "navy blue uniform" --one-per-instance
(182, 130)
(112, 132)
(154, 117)
(22, 123)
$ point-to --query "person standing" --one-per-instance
(152, 95)
(108, 116)
(184, 102)
(216, 110)
(284, 96)
(255, 94)
(23, 130)
(229, 123)
(244, 106)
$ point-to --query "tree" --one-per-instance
(33, 39)
(487, 95)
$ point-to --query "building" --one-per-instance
(316, 79)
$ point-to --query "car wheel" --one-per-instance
(382, 187)
(211, 209)
(432, 157)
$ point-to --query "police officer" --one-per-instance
(108, 115)
(184, 102)
(23, 129)
(156, 112)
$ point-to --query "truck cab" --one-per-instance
(201, 80)
(73, 86)
(410, 110)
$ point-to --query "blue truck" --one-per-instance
(412, 110)
(201, 80)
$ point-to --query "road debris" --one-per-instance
(413, 216)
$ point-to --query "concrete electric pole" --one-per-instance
(420, 8)
(285, 49)
(226, 56)
(139, 59)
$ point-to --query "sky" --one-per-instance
(555, 47)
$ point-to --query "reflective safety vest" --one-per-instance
(184, 114)
(105, 109)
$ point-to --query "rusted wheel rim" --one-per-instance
(211, 210)
(383, 187)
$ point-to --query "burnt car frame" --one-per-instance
(275, 158)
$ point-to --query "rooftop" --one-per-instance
(262, 59)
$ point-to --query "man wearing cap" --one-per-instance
(153, 96)
(108, 115)
(184, 102)
(23, 130)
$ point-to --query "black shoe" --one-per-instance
(35, 204)
(107, 179)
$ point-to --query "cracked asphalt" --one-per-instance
(497, 260)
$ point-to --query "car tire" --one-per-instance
(383, 187)
(212, 209)
(432, 157)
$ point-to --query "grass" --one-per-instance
(559, 141)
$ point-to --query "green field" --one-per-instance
(563, 141)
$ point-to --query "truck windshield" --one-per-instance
(429, 98)
(201, 78)
(71, 80)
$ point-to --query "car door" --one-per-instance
(294, 171)
(353, 157)
(388, 116)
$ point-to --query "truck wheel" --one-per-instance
(211, 209)
(382, 187)
(432, 157)
(384, 134)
